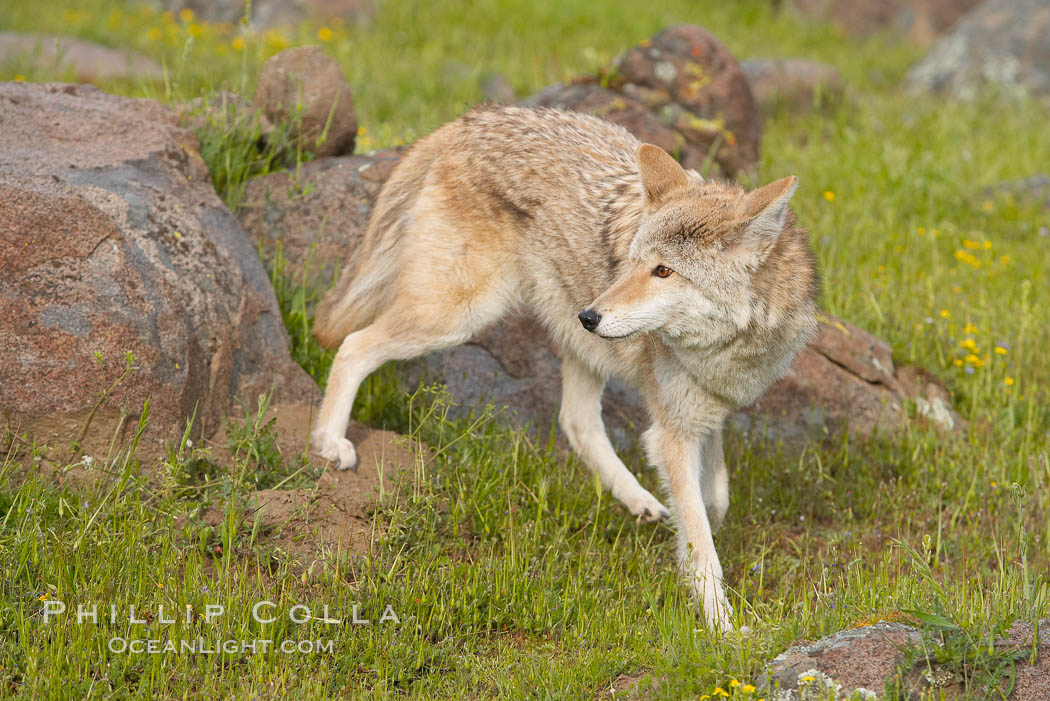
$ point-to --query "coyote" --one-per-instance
(698, 293)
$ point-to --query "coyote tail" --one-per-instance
(363, 287)
(368, 280)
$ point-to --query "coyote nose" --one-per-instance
(590, 318)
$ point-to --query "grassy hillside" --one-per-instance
(511, 573)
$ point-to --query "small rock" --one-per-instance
(612, 106)
(795, 83)
(318, 215)
(695, 85)
(496, 88)
(918, 20)
(1000, 42)
(89, 62)
(306, 88)
(1032, 681)
(1035, 188)
(863, 658)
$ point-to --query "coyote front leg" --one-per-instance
(679, 459)
(581, 419)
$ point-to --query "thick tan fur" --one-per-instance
(697, 293)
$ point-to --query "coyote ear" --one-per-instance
(660, 173)
(766, 208)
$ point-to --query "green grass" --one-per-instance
(512, 574)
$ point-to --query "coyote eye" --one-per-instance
(661, 271)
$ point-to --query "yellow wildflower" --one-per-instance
(153, 34)
(967, 258)
(196, 31)
(734, 683)
(987, 245)
(20, 78)
(972, 359)
(999, 350)
(987, 205)
(970, 344)
(829, 195)
(748, 688)
(1009, 381)
(719, 691)
(186, 14)
(972, 245)
(42, 597)
(957, 363)
(946, 314)
(970, 328)
(645, 42)
(324, 34)
(921, 230)
(237, 43)
(276, 39)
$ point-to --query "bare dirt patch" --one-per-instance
(337, 513)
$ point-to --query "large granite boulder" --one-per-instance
(793, 83)
(845, 381)
(306, 89)
(1005, 43)
(113, 241)
(86, 61)
(921, 21)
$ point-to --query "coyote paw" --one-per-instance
(339, 450)
(708, 590)
(646, 507)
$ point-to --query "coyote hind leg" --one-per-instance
(715, 480)
(412, 325)
(360, 354)
(581, 419)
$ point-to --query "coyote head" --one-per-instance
(690, 266)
